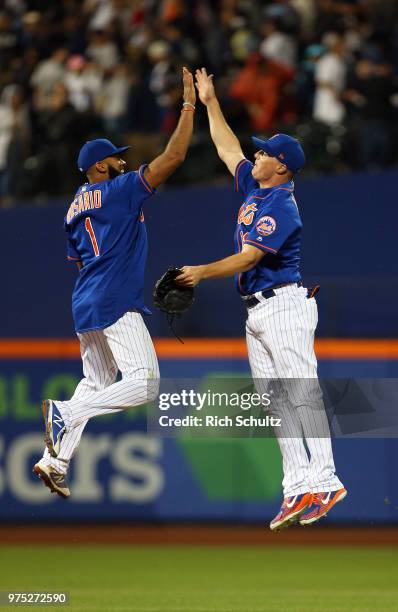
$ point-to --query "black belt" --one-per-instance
(251, 300)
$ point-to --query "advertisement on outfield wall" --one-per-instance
(125, 469)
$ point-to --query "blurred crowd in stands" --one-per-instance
(70, 70)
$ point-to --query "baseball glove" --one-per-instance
(170, 297)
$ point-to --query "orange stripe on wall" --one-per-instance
(356, 348)
(39, 349)
(202, 348)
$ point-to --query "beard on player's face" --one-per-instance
(113, 172)
(116, 168)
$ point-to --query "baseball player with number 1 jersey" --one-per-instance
(282, 314)
(107, 239)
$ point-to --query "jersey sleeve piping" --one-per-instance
(237, 170)
(69, 258)
(261, 246)
(143, 180)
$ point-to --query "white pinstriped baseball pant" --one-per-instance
(125, 346)
(280, 339)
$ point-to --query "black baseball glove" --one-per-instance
(170, 297)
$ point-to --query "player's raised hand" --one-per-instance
(189, 94)
(204, 85)
(190, 276)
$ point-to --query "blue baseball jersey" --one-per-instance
(269, 220)
(106, 233)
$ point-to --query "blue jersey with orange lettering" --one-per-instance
(269, 220)
(106, 233)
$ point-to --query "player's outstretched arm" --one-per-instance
(174, 154)
(227, 144)
(235, 264)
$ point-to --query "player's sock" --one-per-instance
(58, 464)
(69, 445)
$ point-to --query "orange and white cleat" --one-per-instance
(321, 504)
(291, 510)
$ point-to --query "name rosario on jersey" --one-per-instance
(85, 201)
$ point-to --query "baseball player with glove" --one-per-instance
(107, 239)
(282, 314)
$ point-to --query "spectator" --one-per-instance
(101, 13)
(74, 34)
(6, 129)
(337, 15)
(142, 37)
(305, 79)
(9, 40)
(306, 11)
(369, 95)
(278, 46)
(60, 132)
(102, 50)
(36, 34)
(19, 146)
(242, 44)
(83, 82)
(22, 67)
(126, 16)
(49, 71)
(260, 87)
(286, 14)
(112, 101)
(118, 60)
(216, 34)
(14, 141)
(143, 121)
(330, 75)
(17, 7)
(159, 54)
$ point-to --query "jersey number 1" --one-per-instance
(89, 229)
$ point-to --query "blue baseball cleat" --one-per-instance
(55, 427)
(291, 510)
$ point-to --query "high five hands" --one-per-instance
(192, 275)
(189, 94)
(204, 85)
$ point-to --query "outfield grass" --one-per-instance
(196, 579)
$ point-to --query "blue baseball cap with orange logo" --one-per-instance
(94, 151)
(285, 148)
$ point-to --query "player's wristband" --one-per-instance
(185, 104)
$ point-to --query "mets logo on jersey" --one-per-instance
(266, 226)
(246, 214)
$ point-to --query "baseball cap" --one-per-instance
(285, 148)
(94, 151)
